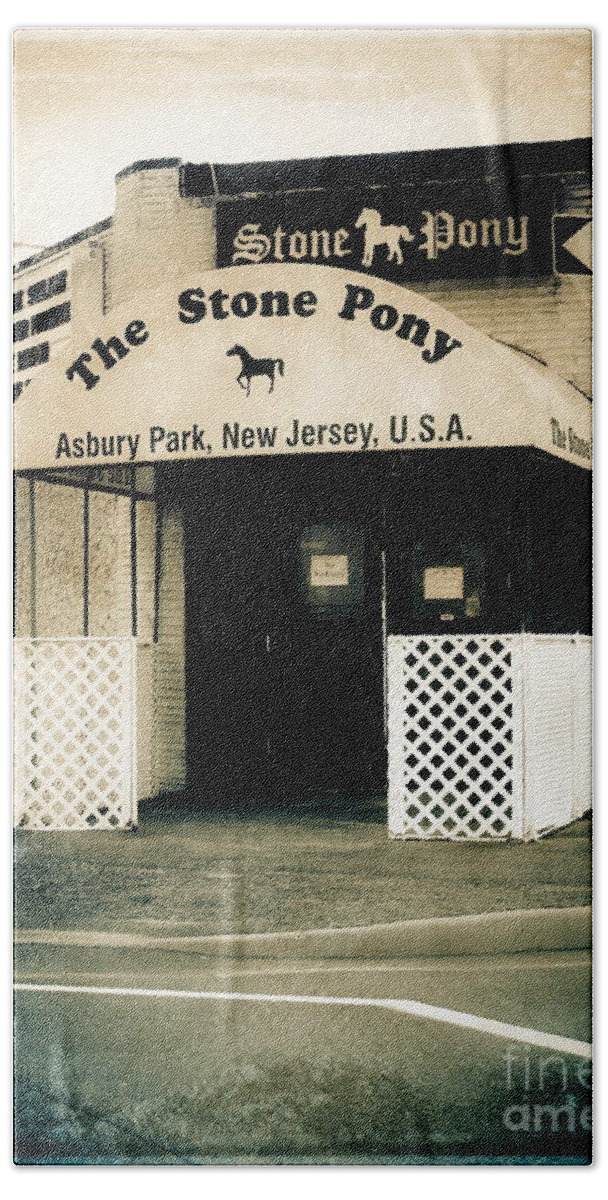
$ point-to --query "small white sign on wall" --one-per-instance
(443, 583)
(329, 570)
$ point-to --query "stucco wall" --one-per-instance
(24, 599)
(59, 547)
(50, 601)
(109, 565)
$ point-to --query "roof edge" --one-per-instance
(90, 231)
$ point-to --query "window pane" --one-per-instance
(20, 330)
(33, 355)
(51, 317)
(57, 283)
(37, 292)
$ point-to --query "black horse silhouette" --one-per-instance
(255, 366)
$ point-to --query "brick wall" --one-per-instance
(550, 319)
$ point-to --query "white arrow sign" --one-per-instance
(580, 245)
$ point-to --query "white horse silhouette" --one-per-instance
(377, 234)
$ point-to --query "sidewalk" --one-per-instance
(187, 875)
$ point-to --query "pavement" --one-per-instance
(296, 988)
(511, 932)
(195, 874)
(144, 1056)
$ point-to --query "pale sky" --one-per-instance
(90, 101)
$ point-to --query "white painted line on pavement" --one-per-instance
(414, 1008)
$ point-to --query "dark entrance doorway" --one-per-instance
(284, 630)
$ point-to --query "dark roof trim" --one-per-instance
(398, 169)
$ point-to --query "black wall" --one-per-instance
(519, 516)
(522, 520)
(557, 551)
(285, 697)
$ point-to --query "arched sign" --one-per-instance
(288, 359)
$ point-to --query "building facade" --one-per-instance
(223, 603)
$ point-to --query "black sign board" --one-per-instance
(448, 230)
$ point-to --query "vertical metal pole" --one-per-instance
(384, 646)
(134, 716)
(86, 531)
(133, 566)
(158, 551)
(33, 601)
(133, 729)
(14, 531)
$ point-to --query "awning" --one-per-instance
(323, 360)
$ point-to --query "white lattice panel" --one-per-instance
(583, 728)
(452, 729)
(557, 730)
(74, 733)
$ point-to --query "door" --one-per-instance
(284, 632)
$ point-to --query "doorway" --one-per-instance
(284, 630)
